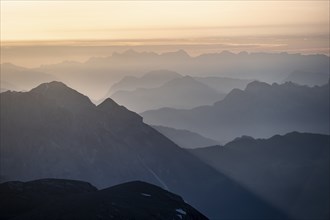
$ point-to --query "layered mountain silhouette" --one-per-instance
(308, 78)
(291, 171)
(260, 110)
(68, 199)
(95, 76)
(151, 79)
(185, 138)
(182, 93)
(19, 78)
(223, 84)
(53, 131)
(5, 86)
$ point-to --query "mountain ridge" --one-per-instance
(104, 146)
(251, 111)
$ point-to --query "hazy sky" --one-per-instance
(63, 20)
(160, 26)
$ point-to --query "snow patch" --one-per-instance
(145, 194)
(181, 211)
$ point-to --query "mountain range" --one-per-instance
(183, 93)
(19, 78)
(54, 131)
(291, 171)
(185, 138)
(152, 79)
(260, 110)
(95, 76)
(69, 199)
(308, 78)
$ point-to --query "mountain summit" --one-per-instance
(55, 132)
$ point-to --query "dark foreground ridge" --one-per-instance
(70, 199)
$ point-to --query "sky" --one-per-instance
(60, 20)
(293, 26)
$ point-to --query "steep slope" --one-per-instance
(261, 110)
(151, 79)
(184, 92)
(185, 138)
(291, 171)
(68, 199)
(56, 132)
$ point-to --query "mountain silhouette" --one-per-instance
(53, 131)
(261, 110)
(308, 78)
(22, 78)
(223, 84)
(291, 171)
(95, 76)
(151, 79)
(185, 138)
(68, 199)
(183, 93)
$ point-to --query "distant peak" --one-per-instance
(180, 53)
(256, 86)
(130, 52)
(226, 52)
(243, 138)
(11, 66)
(50, 85)
(243, 53)
(108, 104)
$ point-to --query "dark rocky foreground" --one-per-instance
(70, 199)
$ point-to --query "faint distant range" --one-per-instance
(185, 138)
(163, 88)
(95, 76)
(35, 53)
(260, 110)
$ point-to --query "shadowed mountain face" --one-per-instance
(56, 132)
(291, 171)
(261, 110)
(68, 199)
(185, 138)
(184, 92)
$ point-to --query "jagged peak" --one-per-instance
(180, 53)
